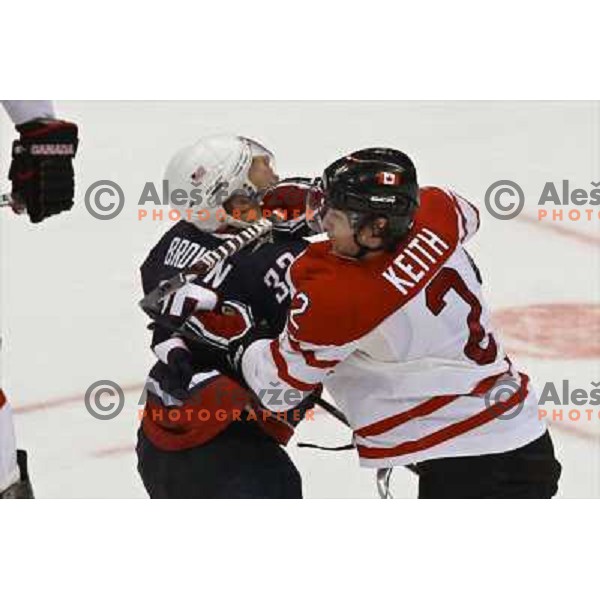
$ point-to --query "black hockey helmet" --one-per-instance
(371, 183)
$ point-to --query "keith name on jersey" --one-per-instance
(422, 254)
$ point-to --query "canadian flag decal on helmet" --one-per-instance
(385, 178)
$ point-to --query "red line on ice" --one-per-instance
(579, 236)
(65, 400)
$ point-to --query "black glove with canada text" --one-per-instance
(41, 171)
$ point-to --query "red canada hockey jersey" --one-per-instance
(403, 343)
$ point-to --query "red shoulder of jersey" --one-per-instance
(340, 300)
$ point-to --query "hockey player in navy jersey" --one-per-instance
(203, 435)
(41, 173)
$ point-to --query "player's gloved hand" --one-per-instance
(230, 330)
(290, 198)
(175, 354)
(41, 171)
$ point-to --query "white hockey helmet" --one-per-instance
(207, 173)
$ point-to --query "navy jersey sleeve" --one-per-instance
(178, 249)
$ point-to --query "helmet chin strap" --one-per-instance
(362, 250)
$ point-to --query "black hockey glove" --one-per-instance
(42, 167)
(228, 331)
(176, 356)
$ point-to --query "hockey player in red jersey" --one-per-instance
(203, 435)
(389, 315)
(42, 179)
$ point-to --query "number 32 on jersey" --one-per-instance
(275, 277)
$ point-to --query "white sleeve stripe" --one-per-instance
(162, 350)
(152, 386)
(204, 298)
(202, 377)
